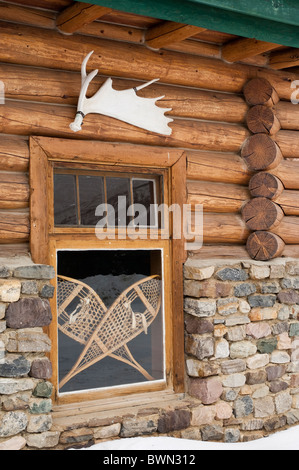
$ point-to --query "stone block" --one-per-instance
(270, 287)
(275, 372)
(294, 329)
(256, 377)
(258, 330)
(208, 390)
(231, 435)
(39, 423)
(290, 283)
(197, 368)
(280, 357)
(10, 291)
(236, 333)
(29, 287)
(264, 407)
(232, 274)
(9, 386)
(199, 307)
(241, 349)
(284, 341)
(36, 271)
(43, 390)
(106, 432)
(41, 368)
(138, 427)
(28, 340)
(277, 271)
(259, 272)
(212, 433)
(261, 300)
(243, 406)
(234, 380)
(174, 420)
(292, 268)
(14, 443)
(289, 297)
(47, 291)
(43, 440)
(244, 289)
(199, 346)
(195, 325)
(12, 423)
(263, 313)
(283, 402)
(277, 386)
(266, 345)
(257, 361)
(221, 349)
(193, 270)
(202, 415)
(227, 306)
(14, 366)
(233, 366)
(28, 312)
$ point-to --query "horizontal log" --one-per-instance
(26, 118)
(285, 58)
(167, 32)
(14, 153)
(44, 85)
(217, 197)
(230, 198)
(233, 252)
(79, 14)
(14, 190)
(11, 250)
(231, 229)
(14, 226)
(38, 47)
(231, 168)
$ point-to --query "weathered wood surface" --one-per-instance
(262, 119)
(231, 168)
(38, 47)
(14, 153)
(263, 245)
(260, 91)
(79, 14)
(264, 184)
(261, 213)
(14, 226)
(168, 32)
(241, 48)
(261, 152)
(14, 190)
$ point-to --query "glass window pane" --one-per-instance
(65, 201)
(144, 195)
(91, 194)
(110, 318)
(119, 198)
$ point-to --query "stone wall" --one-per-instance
(25, 370)
(242, 347)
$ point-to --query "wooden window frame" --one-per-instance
(47, 151)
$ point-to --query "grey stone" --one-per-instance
(232, 274)
(283, 402)
(231, 435)
(40, 423)
(275, 423)
(292, 416)
(229, 394)
(256, 377)
(9, 386)
(212, 433)
(138, 427)
(244, 289)
(227, 306)
(14, 366)
(280, 327)
(257, 300)
(12, 423)
(43, 440)
(252, 425)
(4, 272)
(263, 407)
(294, 329)
(47, 291)
(43, 390)
(270, 288)
(243, 406)
(28, 313)
(199, 346)
(290, 283)
(233, 366)
(200, 307)
(36, 271)
(29, 287)
(40, 406)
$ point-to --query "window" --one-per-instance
(98, 216)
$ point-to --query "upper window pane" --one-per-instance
(119, 197)
(91, 194)
(144, 195)
(65, 201)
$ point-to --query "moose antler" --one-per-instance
(124, 105)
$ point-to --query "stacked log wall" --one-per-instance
(40, 68)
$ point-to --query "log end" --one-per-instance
(261, 119)
(261, 213)
(265, 184)
(260, 152)
(263, 246)
(260, 91)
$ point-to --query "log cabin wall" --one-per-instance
(40, 69)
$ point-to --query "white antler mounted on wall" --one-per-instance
(124, 105)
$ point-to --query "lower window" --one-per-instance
(110, 308)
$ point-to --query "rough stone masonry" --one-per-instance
(241, 357)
